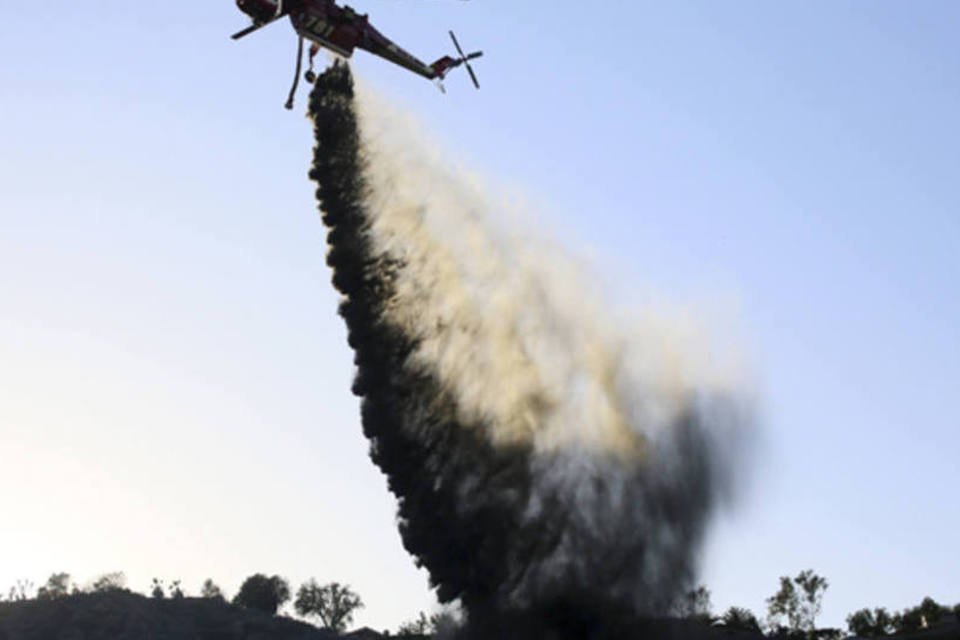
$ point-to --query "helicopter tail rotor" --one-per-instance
(465, 59)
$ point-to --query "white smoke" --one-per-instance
(507, 323)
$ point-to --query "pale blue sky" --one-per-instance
(174, 395)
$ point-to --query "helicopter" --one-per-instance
(339, 28)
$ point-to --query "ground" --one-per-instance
(122, 615)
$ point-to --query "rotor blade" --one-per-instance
(465, 59)
(473, 76)
(256, 27)
(457, 45)
(246, 32)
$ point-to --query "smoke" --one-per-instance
(555, 470)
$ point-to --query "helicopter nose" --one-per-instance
(258, 10)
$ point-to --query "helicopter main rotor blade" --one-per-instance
(256, 26)
(246, 32)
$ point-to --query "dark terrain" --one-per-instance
(121, 615)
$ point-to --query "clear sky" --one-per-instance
(174, 379)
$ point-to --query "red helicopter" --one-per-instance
(341, 30)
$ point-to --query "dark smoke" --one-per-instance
(559, 544)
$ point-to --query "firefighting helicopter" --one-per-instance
(341, 30)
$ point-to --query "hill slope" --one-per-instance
(121, 615)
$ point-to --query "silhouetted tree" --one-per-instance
(333, 603)
(931, 610)
(22, 590)
(443, 622)
(740, 618)
(211, 590)
(156, 590)
(867, 623)
(418, 627)
(907, 620)
(695, 605)
(924, 614)
(57, 586)
(798, 601)
(114, 581)
(176, 590)
(262, 593)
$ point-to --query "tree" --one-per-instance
(916, 618)
(695, 605)
(931, 611)
(907, 620)
(798, 601)
(20, 591)
(740, 618)
(156, 590)
(867, 623)
(211, 590)
(107, 582)
(262, 593)
(419, 627)
(443, 623)
(882, 622)
(57, 586)
(333, 603)
(176, 591)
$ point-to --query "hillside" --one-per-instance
(121, 615)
